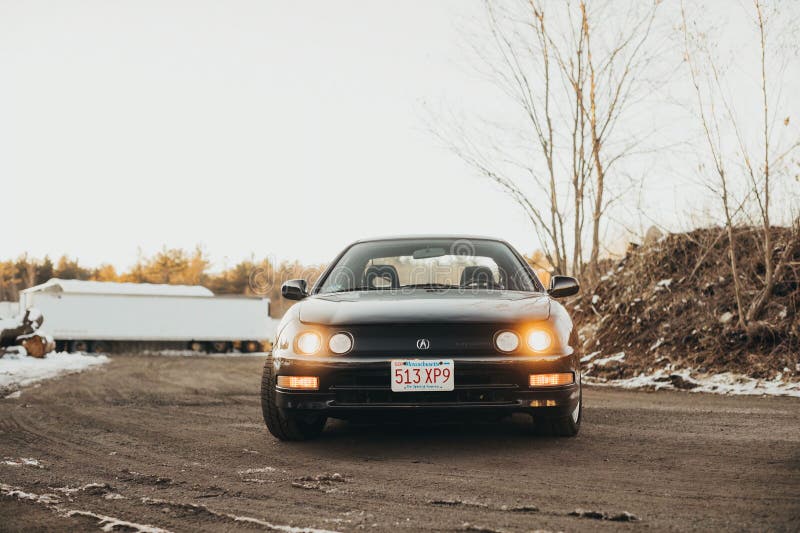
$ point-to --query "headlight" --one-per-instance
(309, 342)
(341, 343)
(539, 340)
(506, 341)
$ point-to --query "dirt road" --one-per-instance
(179, 444)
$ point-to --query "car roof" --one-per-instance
(429, 236)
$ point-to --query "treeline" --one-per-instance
(172, 266)
(179, 267)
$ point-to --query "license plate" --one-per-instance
(411, 375)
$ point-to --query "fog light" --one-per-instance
(298, 382)
(543, 403)
(551, 380)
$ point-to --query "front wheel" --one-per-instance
(561, 426)
(285, 426)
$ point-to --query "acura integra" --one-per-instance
(424, 327)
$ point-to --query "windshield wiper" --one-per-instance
(429, 286)
(412, 286)
(356, 289)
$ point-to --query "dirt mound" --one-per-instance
(670, 304)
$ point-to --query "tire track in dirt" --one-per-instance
(174, 436)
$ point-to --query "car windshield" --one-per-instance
(428, 264)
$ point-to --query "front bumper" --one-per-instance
(492, 385)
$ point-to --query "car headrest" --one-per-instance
(476, 274)
(383, 273)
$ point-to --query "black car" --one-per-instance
(424, 327)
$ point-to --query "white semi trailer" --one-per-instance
(105, 316)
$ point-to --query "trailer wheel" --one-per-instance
(220, 347)
(251, 346)
(196, 346)
(79, 346)
(100, 347)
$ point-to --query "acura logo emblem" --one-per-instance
(423, 344)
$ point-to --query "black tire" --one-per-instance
(79, 346)
(286, 426)
(562, 426)
(196, 346)
(220, 347)
(100, 347)
(251, 347)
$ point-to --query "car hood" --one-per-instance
(423, 307)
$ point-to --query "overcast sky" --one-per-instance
(285, 129)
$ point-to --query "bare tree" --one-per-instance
(760, 177)
(752, 175)
(572, 81)
(627, 55)
(707, 113)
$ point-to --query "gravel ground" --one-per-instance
(178, 443)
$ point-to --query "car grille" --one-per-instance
(401, 340)
(387, 397)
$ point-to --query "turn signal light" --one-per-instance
(551, 380)
(298, 382)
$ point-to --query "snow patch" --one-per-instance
(191, 353)
(35, 315)
(242, 519)
(618, 357)
(262, 470)
(276, 527)
(108, 523)
(51, 501)
(22, 461)
(13, 492)
(656, 344)
(17, 370)
(724, 383)
(589, 357)
(92, 488)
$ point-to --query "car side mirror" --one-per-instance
(561, 286)
(294, 289)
